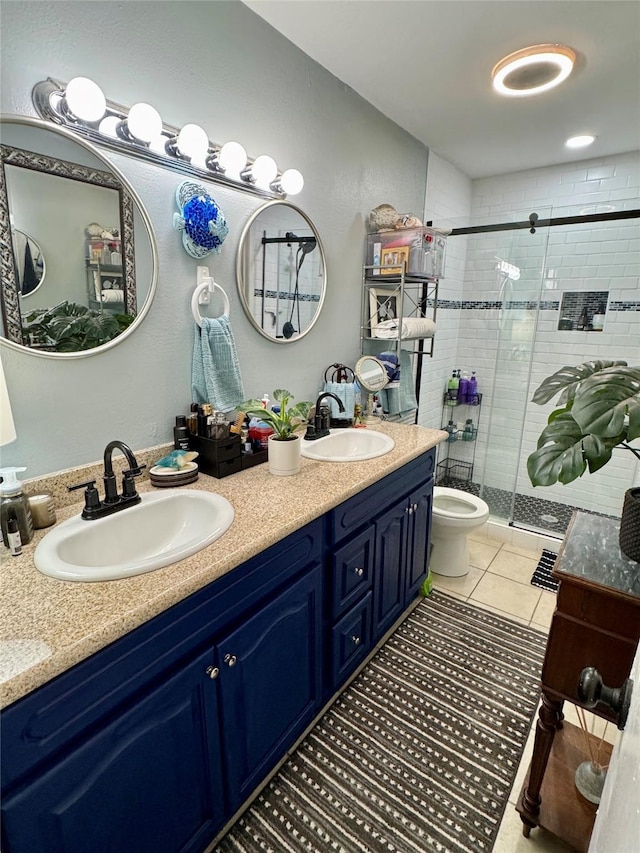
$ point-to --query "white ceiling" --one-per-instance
(426, 64)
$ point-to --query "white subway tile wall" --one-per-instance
(515, 348)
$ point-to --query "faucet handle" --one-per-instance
(128, 485)
(91, 496)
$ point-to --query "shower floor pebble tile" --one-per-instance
(512, 595)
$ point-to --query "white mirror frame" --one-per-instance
(7, 250)
(241, 272)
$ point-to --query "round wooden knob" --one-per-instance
(592, 690)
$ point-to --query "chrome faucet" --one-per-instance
(320, 417)
(113, 502)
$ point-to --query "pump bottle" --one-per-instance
(14, 505)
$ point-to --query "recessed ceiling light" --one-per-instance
(580, 141)
(533, 70)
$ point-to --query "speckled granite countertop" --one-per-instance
(48, 625)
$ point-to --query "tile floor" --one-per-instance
(499, 580)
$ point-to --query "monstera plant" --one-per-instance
(599, 410)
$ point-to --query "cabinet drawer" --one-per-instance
(351, 572)
(362, 509)
(351, 640)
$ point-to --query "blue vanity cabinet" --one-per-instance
(383, 533)
(150, 779)
(152, 743)
(271, 683)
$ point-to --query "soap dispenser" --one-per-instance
(14, 505)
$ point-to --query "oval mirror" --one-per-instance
(281, 272)
(371, 373)
(88, 222)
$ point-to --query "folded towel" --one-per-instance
(346, 391)
(401, 399)
(412, 327)
(215, 371)
(391, 364)
(112, 295)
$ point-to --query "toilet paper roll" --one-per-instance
(112, 295)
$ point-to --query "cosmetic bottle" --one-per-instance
(452, 389)
(472, 390)
(583, 320)
(597, 323)
(265, 401)
(13, 536)
(463, 388)
(452, 429)
(181, 433)
(14, 504)
(468, 433)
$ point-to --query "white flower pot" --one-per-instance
(284, 456)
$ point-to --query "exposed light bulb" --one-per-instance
(109, 126)
(291, 182)
(232, 157)
(85, 99)
(580, 141)
(264, 170)
(193, 142)
(144, 122)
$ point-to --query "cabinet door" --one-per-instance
(270, 682)
(418, 536)
(389, 568)
(351, 570)
(148, 781)
(350, 641)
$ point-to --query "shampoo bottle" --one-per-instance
(181, 433)
(452, 389)
(463, 388)
(472, 390)
(14, 505)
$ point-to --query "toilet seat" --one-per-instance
(455, 504)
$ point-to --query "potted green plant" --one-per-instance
(70, 327)
(284, 444)
(600, 410)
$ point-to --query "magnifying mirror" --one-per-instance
(372, 376)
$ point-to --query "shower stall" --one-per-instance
(539, 291)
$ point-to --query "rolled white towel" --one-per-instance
(112, 295)
(412, 327)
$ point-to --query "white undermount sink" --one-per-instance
(164, 528)
(348, 445)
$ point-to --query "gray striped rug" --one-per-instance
(419, 753)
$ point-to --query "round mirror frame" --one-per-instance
(241, 290)
(53, 128)
(384, 379)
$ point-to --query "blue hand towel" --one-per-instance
(347, 393)
(215, 371)
(397, 401)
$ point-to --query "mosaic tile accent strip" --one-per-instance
(545, 305)
(284, 294)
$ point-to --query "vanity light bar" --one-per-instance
(139, 131)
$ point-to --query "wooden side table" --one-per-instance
(596, 623)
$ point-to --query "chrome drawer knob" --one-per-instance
(230, 660)
(212, 671)
(359, 571)
(355, 640)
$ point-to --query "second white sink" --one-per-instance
(348, 445)
(164, 528)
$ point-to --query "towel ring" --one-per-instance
(209, 285)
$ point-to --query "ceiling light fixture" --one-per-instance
(140, 132)
(580, 141)
(533, 70)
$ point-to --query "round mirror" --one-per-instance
(83, 216)
(371, 373)
(29, 263)
(281, 272)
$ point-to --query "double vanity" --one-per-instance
(167, 698)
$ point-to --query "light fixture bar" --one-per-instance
(112, 131)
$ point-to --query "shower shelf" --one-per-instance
(457, 455)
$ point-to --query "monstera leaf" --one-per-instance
(601, 411)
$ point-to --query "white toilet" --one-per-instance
(455, 515)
